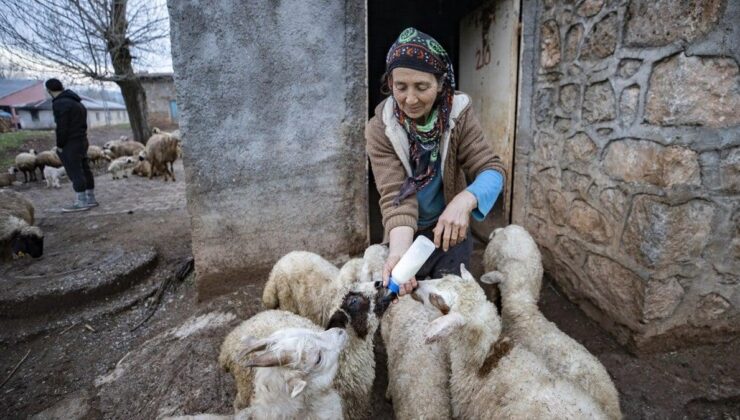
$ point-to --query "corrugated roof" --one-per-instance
(11, 86)
(90, 104)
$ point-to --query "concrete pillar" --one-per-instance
(273, 104)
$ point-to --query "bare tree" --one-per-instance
(90, 38)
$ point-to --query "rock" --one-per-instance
(602, 40)
(177, 371)
(549, 45)
(544, 102)
(588, 222)
(729, 170)
(572, 42)
(75, 406)
(628, 67)
(616, 290)
(598, 103)
(628, 105)
(570, 98)
(536, 195)
(658, 234)
(711, 307)
(538, 228)
(573, 181)
(570, 249)
(547, 147)
(654, 23)
(661, 298)
(694, 91)
(557, 205)
(590, 7)
(645, 161)
(579, 147)
(563, 125)
(604, 131)
(613, 200)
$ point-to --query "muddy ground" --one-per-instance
(68, 357)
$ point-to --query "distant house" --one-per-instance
(16, 92)
(160, 98)
(39, 116)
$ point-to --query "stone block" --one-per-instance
(549, 45)
(618, 291)
(602, 40)
(613, 200)
(563, 125)
(570, 98)
(711, 307)
(628, 105)
(572, 42)
(589, 223)
(694, 91)
(590, 7)
(579, 148)
(659, 234)
(544, 102)
(661, 298)
(729, 170)
(286, 183)
(547, 147)
(644, 161)
(628, 67)
(570, 249)
(654, 23)
(598, 103)
(557, 205)
(573, 181)
(537, 195)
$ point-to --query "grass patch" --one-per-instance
(13, 143)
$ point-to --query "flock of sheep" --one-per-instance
(309, 355)
(125, 157)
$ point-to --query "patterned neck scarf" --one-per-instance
(419, 51)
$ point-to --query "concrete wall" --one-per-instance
(46, 119)
(272, 100)
(44, 122)
(628, 162)
(159, 92)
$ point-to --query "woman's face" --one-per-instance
(415, 91)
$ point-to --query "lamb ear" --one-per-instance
(442, 327)
(297, 385)
(251, 344)
(269, 359)
(492, 277)
(439, 302)
(465, 274)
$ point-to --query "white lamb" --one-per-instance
(513, 261)
(121, 167)
(417, 372)
(493, 378)
(52, 176)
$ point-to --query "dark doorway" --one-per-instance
(386, 20)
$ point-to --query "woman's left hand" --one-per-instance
(452, 226)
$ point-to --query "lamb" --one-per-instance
(18, 236)
(160, 150)
(7, 179)
(120, 166)
(26, 163)
(52, 175)
(142, 168)
(417, 373)
(118, 148)
(96, 155)
(494, 377)
(513, 261)
(47, 158)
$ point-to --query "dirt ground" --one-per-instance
(48, 358)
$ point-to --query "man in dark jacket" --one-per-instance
(70, 117)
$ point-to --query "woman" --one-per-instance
(432, 164)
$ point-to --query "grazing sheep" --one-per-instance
(119, 166)
(493, 377)
(119, 148)
(513, 261)
(161, 149)
(7, 179)
(96, 155)
(142, 168)
(26, 163)
(47, 158)
(52, 175)
(417, 372)
(18, 236)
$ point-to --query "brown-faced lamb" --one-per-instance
(18, 236)
(120, 166)
(47, 158)
(161, 150)
(417, 372)
(513, 261)
(7, 179)
(26, 163)
(493, 377)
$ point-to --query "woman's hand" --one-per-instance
(452, 225)
(400, 240)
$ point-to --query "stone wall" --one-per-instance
(273, 99)
(160, 90)
(628, 162)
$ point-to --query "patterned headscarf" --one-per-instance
(418, 51)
